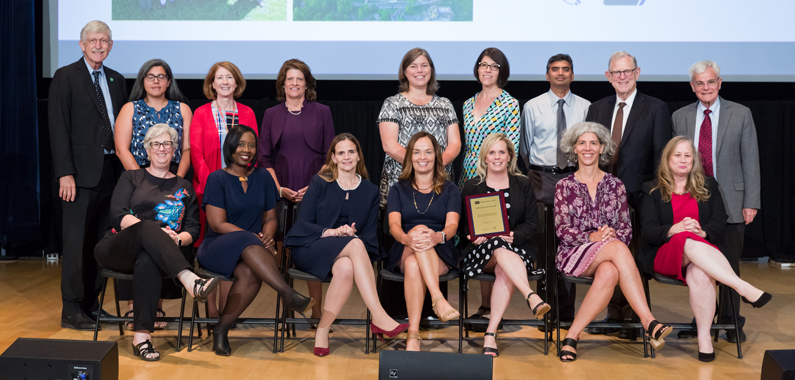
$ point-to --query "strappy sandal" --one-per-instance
(162, 325)
(656, 338)
(203, 287)
(144, 349)
(571, 343)
(128, 325)
(540, 309)
(448, 314)
(489, 350)
(410, 336)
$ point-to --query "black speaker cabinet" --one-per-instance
(404, 365)
(60, 360)
(778, 365)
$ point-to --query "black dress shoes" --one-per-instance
(603, 330)
(105, 314)
(77, 321)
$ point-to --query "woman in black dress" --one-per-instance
(336, 234)
(240, 203)
(423, 208)
(508, 257)
(154, 212)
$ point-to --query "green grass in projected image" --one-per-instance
(382, 10)
(255, 10)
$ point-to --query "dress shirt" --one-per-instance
(103, 84)
(713, 116)
(627, 108)
(538, 143)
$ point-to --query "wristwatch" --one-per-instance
(444, 236)
(179, 242)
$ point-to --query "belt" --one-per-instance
(552, 169)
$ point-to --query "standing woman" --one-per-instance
(155, 99)
(336, 234)
(211, 123)
(295, 138)
(415, 109)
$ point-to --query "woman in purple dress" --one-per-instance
(304, 129)
(593, 225)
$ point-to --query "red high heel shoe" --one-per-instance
(320, 351)
(379, 332)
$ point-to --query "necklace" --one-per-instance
(418, 188)
(415, 202)
(292, 112)
(352, 188)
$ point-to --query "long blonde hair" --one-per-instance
(329, 171)
(482, 169)
(695, 184)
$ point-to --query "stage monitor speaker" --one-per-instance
(404, 365)
(60, 360)
(778, 365)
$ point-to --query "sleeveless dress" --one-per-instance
(144, 117)
(668, 261)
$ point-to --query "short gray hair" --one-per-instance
(701, 66)
(157, 130)
(95, 26)
(619, 55)
(569, 140)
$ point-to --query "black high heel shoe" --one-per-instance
(202, 288)
(656, 338)
(571, 343)
(540, 309)
(761, 301)
(221, 342)
(144, 349)
(301, 304)
(490, 350)
(706, 357)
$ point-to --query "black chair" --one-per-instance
(465, 323)
(116, 276)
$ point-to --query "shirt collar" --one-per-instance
(714, 107)
(630, 99)
(91, 69)
(553, 99)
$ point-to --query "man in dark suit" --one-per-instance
(725, 136)
(84, 100)
(640, 125)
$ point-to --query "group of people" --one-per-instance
(129, 207)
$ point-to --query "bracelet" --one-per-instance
(280, 191)
(179, 242)
(444, 236)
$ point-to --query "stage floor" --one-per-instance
(30, 307)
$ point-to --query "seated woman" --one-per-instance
(508, 257)
(240, 203)
(154, 212)
(336, 234)
(593, 225)
(423, 208)
(683, 221)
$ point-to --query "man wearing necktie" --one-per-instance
(544, 120)
(640, 126)
(725, 136)
(84, 99)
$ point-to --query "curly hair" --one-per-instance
(569, 140)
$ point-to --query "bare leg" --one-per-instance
(363, 274)
(337, 295)
(500, 297)
(702, 301)
(431, 267)
(414, 289)
(514, 268)
(597, 298)
(715, 265)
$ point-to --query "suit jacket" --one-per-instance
(647, 131)
(737, 154)
(523, 214)
(76, 123)
(657, 217)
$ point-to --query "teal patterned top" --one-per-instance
(502, 116)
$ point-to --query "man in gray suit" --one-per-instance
(725, 136)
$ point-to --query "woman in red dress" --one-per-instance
(683, 219)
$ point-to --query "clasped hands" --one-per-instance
(603, 233)
(421, 238)
(482, 239)
(341, 231)
(267, 242)
(171, 233)
(688, 225)
(292, 195)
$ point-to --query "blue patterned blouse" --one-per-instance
(145, 117)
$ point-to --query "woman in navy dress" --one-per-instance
(683, 224)
(336, 234)
(240, 204)
(423, 208)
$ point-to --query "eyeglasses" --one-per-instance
(710, 83)
(102, 41)
(493, 66)
(627, 73)
(160, 77)
(165, 144)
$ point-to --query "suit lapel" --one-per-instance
(611, 106)
(723, 123)
(88, 82)
(690, 120)
(634, 113)
(115, 93)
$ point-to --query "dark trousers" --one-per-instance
(544, 189)
(144, 250)
(85, 221)
(734, 237)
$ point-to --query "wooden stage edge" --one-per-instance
(30, 307)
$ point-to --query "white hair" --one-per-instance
(570, 137)
(156, 131)
(95, 26)
(701, 66)
(619, 55)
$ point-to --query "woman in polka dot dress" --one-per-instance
(508, 257)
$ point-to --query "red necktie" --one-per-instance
(705, 143)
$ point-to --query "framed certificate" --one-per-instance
(487, 215)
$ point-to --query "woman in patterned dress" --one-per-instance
(593, 225)
(492, 110)
(508, 257)
(414, 109)
(683, 224)
(155, 99)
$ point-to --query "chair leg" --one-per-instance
(193, 313)
(461, 302)
(276, 325)
(118, 309)
(206, 314)
(101, 300)
(367, 333)
(736, 324)
(181, 318)
(720, 309)
(557, 311)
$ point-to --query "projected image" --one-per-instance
(382, 10)
(215, 10)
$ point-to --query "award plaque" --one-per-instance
(487, 215)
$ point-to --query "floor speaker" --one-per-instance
(405, 365)
(778, 365)
(60, 360)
